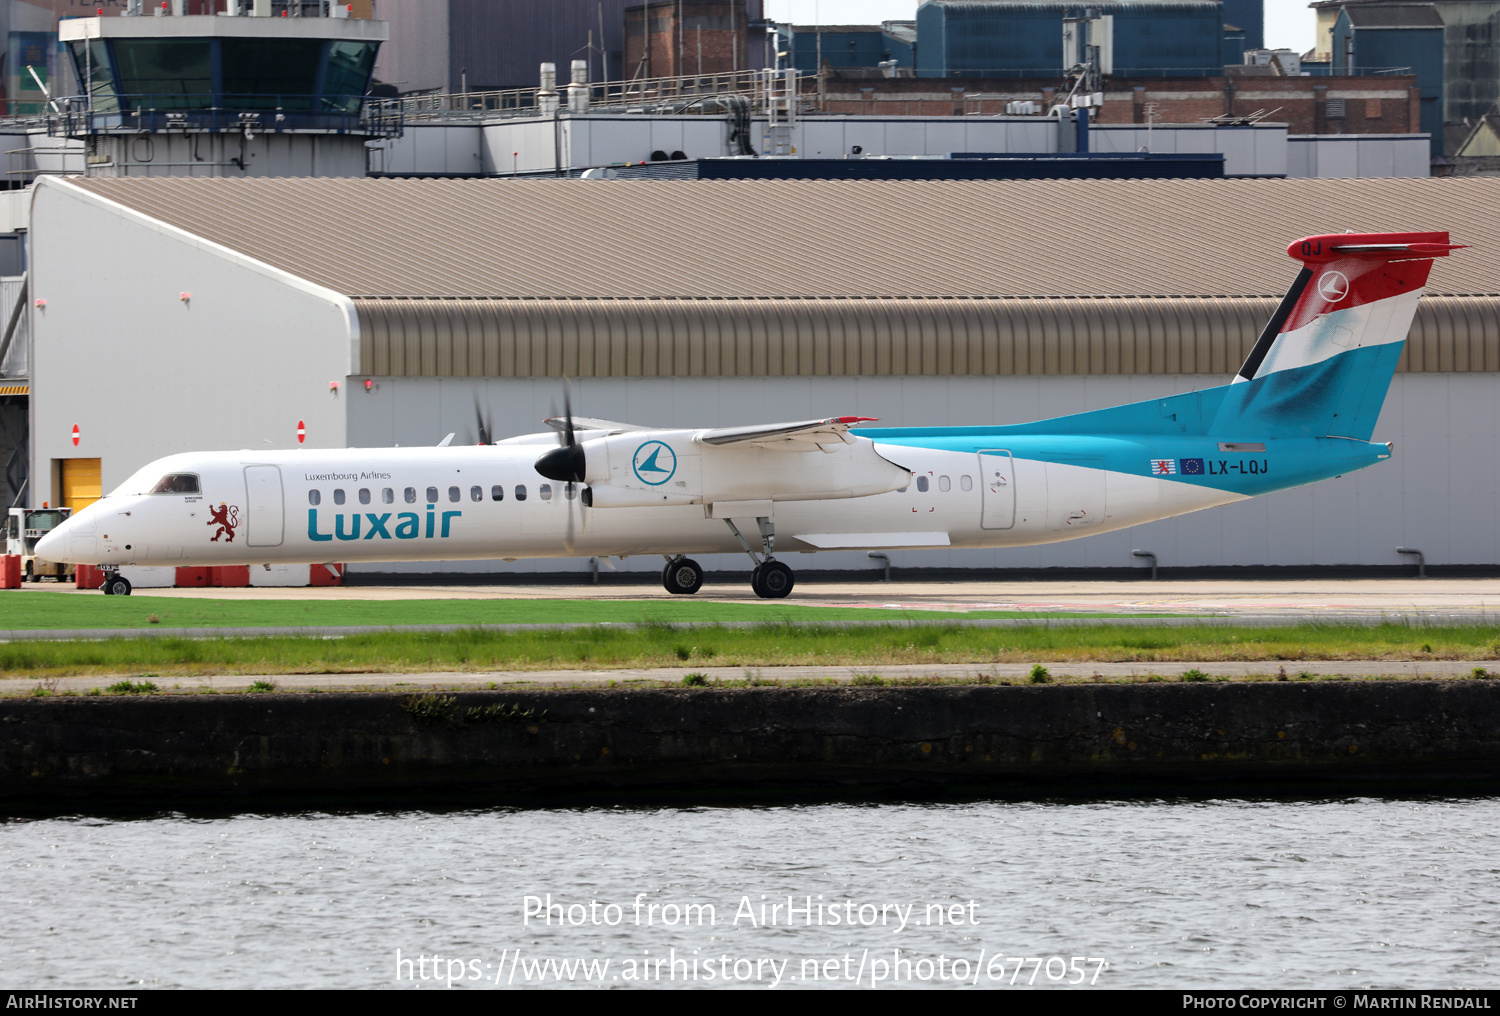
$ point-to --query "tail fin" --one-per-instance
(1324, 362)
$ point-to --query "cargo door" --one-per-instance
(997, 489)
(81, 483)
(265, 523)
(1076, 492)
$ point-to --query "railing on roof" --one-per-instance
(642, 95)
(269, 114)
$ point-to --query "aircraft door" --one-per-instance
(265, 522)
(997, 489)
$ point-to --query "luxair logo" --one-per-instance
(654, 463)
(370, 526)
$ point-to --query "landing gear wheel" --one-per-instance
(682, 577)
(771, 580)
(116, 585)
(31, 575)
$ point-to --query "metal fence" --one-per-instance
(641, 95)
(75, 116)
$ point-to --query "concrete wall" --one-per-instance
(143, 373)
(1348, 156)
(229, 155)
(531, 146)
(1436, 494)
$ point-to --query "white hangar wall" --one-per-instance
(1436, 493)
(144, 373)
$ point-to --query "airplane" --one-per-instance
(1302, 408)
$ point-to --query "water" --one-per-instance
(1235, 894)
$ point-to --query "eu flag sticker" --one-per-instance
(1191, 467)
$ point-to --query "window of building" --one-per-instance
(1372, 109)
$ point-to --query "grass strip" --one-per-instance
(771, 645)
(43, 611)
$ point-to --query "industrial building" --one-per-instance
(226, 314)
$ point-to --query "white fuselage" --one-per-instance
(486, 502)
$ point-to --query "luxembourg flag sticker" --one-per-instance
(1163, 467)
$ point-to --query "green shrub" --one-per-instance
(1039, 674)
(1196, 675)
(695, 680)
(132, 688)
(867, 680)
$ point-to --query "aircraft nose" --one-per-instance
(54, 545)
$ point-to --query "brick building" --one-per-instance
(672, 38)
(1376, 104)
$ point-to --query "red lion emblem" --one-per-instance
(226, 518)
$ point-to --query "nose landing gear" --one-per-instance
(771, 579)
(115, 584)
(682, 576)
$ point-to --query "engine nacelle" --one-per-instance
(651, 468)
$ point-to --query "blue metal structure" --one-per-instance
(961, 38)
(844, 46)
(1406, 39)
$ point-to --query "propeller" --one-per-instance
(566, 464)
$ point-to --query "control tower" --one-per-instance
(223, 95)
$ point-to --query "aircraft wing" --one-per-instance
(808, 432)
(560, 424)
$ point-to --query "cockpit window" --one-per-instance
(177, 483)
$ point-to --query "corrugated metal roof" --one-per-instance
(862, 338)
(808, 239)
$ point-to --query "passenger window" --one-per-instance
(315, 496)
(570, 490)
(453, 494)
(520, 492)
(545, 491)
(411, 495)
(364, 495)
(387, 496)
(432, 495)
(497, 493)
(476, 493)
(176, 483)
(922, 484)
(944, 484)
(338, 495)
(964, 483)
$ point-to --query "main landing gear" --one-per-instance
(115, 584)
(771, 579)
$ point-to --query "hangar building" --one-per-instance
(226, 314)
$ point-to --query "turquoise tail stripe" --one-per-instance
(1315, 422)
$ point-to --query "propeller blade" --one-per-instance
(486, 436)
(570, 494)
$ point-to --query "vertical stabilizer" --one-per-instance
(1324, 362)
